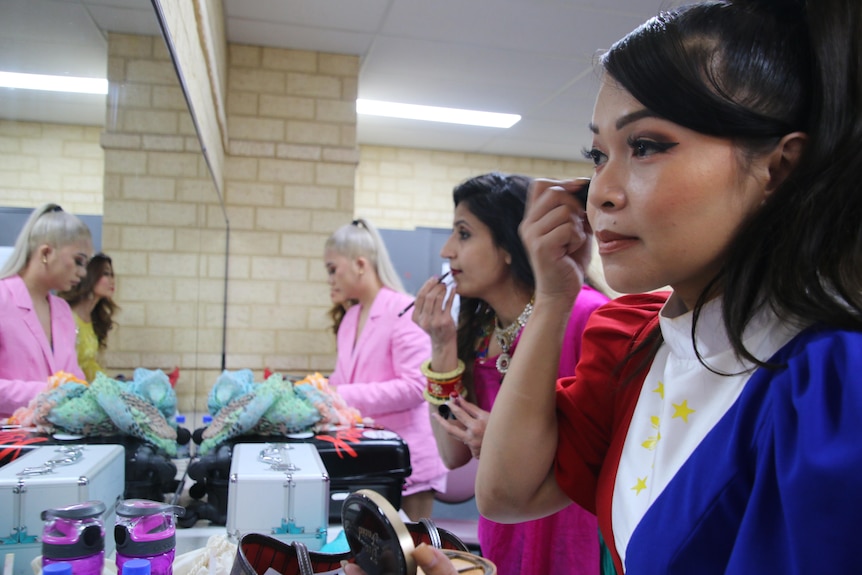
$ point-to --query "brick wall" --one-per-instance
(163, 224)
(400, 188)
(61, 163)
(289, 183)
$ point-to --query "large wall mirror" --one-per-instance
(130, 158)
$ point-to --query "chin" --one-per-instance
(624, 283)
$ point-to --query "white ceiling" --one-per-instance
(529, 57)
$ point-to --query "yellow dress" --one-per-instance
(88, 348)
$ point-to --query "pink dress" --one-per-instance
(566, 542)
(379, 375)
(27, 358)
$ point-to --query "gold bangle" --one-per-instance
(437, 376)
(434, 400)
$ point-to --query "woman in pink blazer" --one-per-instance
(377, 369)
(37, 329)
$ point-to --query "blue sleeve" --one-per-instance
(817, 438)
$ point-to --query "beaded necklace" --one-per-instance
(506, 336)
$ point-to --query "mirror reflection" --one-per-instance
(128, 161)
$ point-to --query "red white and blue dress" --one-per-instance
(690, 471)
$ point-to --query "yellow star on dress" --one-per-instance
(639, 486)
(682, 410)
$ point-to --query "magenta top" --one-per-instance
(565, 543)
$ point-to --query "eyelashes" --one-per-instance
(593, 155)
(640, 147)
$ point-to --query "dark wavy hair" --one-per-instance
(498, 201)
(753, 71)
(337, 311)
(103, 312)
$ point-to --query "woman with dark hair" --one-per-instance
(495, 285)
(715, 428)
(37, 330)
(94, 307)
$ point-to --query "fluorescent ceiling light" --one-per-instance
(435, 114)
(53, 83)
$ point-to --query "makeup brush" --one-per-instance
(412, 303)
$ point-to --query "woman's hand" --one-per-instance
(469, 424)
(432, 311)
(557, 236)
(432, 562)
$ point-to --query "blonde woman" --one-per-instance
(37, 328)
(380, 353)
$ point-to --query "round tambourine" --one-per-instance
(381, 543)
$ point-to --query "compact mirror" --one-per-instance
(381, 543)
(378, 538)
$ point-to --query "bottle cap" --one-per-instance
(61, 568)
(82, 510)
(136, 567)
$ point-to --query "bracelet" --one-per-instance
(434, 400)
(446, 377)
(437, 394)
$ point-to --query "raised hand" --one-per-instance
(557, 236)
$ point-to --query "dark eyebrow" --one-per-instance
(627, 119)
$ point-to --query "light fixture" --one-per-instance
(435, 114)
(53, 83)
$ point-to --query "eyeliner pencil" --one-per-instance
(412, 303)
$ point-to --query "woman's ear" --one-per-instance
(361, 265)
(784, 159)
(43, 252)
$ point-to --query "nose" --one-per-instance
(448, 251)
(606, 190)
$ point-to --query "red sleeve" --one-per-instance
(593, 404)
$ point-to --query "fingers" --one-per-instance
(556, 237)
(469, 425)
(459, 405)
(351, 569)
(429, 311)
(433, 561)
(555, 217)
(451, 426)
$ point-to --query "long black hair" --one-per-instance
(498, 201)
(754, 71)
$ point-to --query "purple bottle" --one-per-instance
(146, 530)
(75, 534)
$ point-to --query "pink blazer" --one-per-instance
(379, 375)
(26, 357)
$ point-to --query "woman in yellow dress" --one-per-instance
(93, 307)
